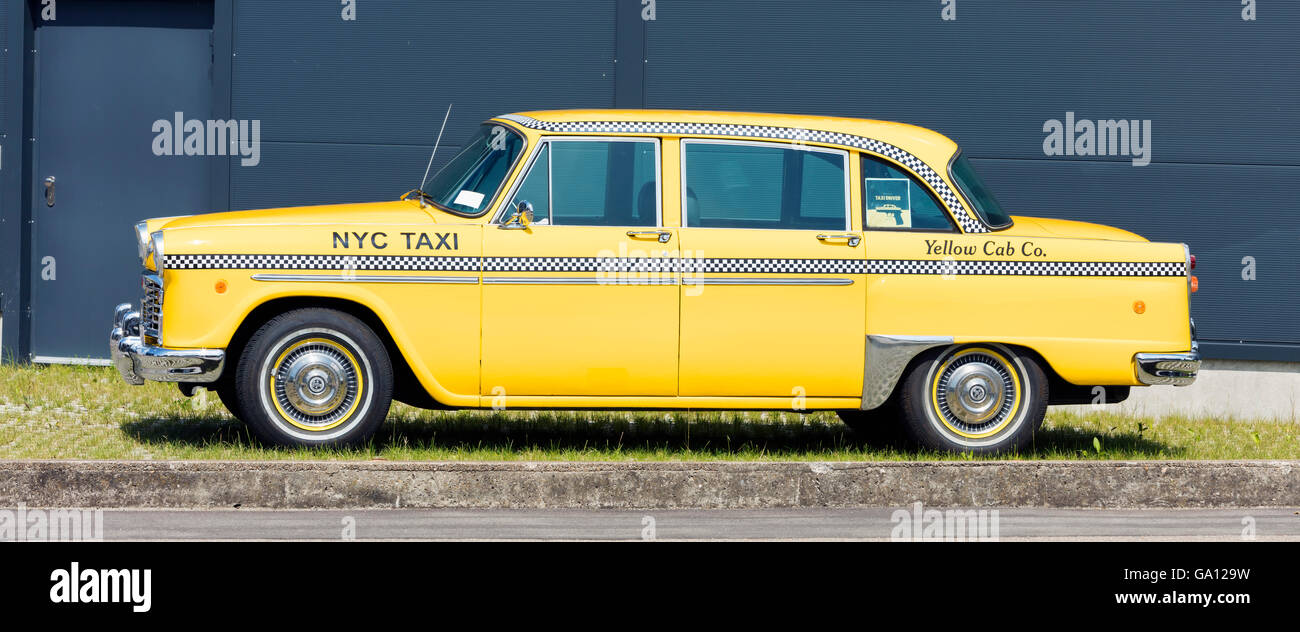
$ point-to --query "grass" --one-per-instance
(75, 412)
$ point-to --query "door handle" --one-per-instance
(49, 191)
(852, 239)
(663, 235)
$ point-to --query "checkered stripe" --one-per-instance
(578, 264)
(773, 266)
(319, 262)
(514, 264)
(1026, 268)
(969, 222)
(666, 265)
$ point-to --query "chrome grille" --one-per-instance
(151, 302)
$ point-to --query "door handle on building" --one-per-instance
(49, 191)
(663, 235)
(852, 239)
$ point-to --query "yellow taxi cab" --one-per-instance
(661, 259)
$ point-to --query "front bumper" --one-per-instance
(138, 361)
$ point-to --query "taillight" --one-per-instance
(1191, 261)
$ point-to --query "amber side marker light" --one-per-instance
(1139, 307)
(221, 287)
(1193, 283)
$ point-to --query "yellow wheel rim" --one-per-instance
(316, 384)
(976, 392)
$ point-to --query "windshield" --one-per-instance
(986, 206)
(467, 184)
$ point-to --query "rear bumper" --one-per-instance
(1177, 369)
(138, 361)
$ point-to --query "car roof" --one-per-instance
(927, 144)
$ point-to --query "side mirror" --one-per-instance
(521, 218)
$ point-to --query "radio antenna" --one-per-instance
(435, 153)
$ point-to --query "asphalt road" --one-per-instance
(773, 524)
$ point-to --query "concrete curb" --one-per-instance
(677, 485)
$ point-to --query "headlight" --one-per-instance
(142, 241)
(156, 245)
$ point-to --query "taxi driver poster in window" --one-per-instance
(889, 203)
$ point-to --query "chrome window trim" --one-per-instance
(504, 212)
(363, 278)
(844, 157)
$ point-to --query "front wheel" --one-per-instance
(314, 377)
(980, 398)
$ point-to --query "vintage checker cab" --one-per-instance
(660, 259)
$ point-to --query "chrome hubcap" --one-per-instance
(315, 383)
(974, 392)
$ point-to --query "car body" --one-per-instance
(667, 260)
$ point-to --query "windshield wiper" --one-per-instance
(423, 196)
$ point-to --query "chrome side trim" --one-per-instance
(613, 280)
(363, 278)
(763, 281)
(887, 356)
(40, 359)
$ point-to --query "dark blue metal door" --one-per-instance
(104, 82)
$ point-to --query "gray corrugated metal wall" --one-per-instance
(1221, 94)
(350, 112)
(349, 109)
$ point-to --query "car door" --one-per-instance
(906, 222)
(583, 300)
(773, 294)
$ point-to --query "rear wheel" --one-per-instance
(980, 398)
(314, 377)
